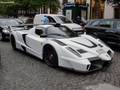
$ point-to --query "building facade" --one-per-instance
(95, 7)
(111, 11)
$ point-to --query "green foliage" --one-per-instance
(28, 5)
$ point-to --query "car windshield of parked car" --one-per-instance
(60, 32)
(64, 19)
(8, 23)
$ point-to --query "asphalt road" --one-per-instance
(20, 71)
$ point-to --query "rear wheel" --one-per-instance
(50, 56)
(13, 42)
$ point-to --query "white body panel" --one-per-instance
(82, 62)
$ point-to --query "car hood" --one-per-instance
(91, 47)
(79, 41)
(73, 26)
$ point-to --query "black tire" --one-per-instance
(1, 38)
(13, 42)
(50, 56)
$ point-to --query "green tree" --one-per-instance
(35, 4)
(4, 6)
(27, 5)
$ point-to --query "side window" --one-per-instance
(95, 23)
(51, 20)
(106, 24)
(29, 21)
(118, 25)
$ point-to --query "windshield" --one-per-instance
(64, 19)
(8, 23)
(60, 32)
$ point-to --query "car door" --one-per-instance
(35, 42)
(92, 26)
(107, 34)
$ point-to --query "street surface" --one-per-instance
(20, 71)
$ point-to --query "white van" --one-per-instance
(54, 18)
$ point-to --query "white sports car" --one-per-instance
(59, 46)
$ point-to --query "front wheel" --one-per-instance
(50, 57)
(13, 42)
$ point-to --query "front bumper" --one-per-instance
(86, 66)
(98, 64)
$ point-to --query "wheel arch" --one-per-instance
(48, 45)
(48, 48)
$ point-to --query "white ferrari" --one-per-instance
(57, 45)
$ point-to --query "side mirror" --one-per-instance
(38, 31)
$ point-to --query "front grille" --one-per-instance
(93, 58)
(96, 64)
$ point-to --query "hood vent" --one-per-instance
(93, 46)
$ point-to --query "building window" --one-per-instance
(97, 9)
(117, 12)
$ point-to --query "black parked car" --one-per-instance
(107, 30)
(4, 27)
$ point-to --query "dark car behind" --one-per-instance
(4, 27)
(107, 30)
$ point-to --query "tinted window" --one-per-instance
(106, 23)
(29, 21)
(51, 20)
(64, 19)
(95, 23)
(55, 30)
(59, 32)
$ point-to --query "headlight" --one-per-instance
(6, 31)
(73, 51)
